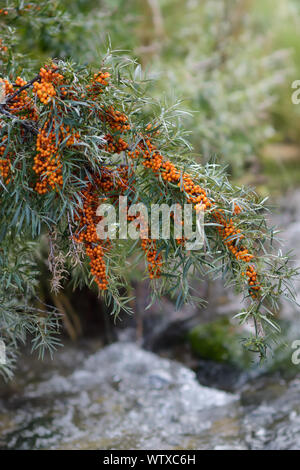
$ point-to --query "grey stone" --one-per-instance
(120, 397)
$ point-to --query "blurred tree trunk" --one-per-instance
(151, 30)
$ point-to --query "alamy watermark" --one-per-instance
(159, 221)
(296, 353)
(2, 353)
(296, 94)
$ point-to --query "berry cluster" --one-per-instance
(154, 258)
(149, 246)
(8, 87)
(169, 173)
(231, 237)
(45, 88)
(236, 209)
(98, 83)
(21, 105)
(3, 48)
(115, 145)
(116, 120)
(101, 77)
(252, 281)
(47, 162)
(5, 169)
(70, 136)
(88, 220)
(4, 162)
(87, 233)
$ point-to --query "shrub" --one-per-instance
(74, 136)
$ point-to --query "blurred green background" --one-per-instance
(231, 62)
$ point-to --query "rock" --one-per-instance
(224, 376)
(273, 420)
(121, 397)
(287, 219)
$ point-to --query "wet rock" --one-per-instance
(223, 376)
(121, 397)
(272, 418)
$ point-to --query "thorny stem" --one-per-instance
(27, 124)
(3, 105)
(37, 78)
(72, 238)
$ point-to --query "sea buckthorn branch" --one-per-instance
(16, 106)
(196, 195)
(101, 186)
(230, 235)
(105, 187)
(87, 150)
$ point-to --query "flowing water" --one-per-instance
(122, 397)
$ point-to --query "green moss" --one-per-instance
(219, 341)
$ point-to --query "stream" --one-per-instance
(123, 397)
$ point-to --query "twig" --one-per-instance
(72, 238)
(27, 124)
(37, 78)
